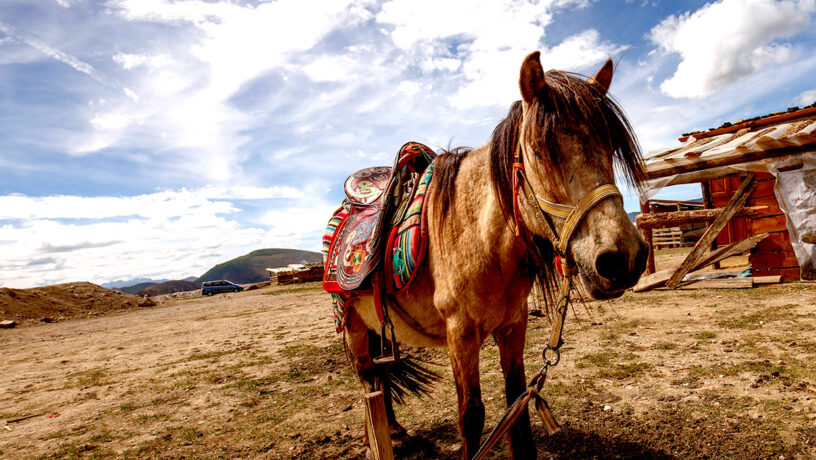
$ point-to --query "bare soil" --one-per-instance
(262, 374)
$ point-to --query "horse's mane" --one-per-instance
(567, 98)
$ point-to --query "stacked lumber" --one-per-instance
(671, 237)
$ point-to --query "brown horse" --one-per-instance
(479, 269)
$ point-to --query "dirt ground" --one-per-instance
(262, 374)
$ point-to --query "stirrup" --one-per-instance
(387, 358)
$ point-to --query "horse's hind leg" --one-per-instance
(511, 351)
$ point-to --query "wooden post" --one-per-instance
(708, 202)
(647, 235)
(735, 204)
(379, 437)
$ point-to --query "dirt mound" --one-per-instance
(62, 301)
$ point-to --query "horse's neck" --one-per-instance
(475, 223)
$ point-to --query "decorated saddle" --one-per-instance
(379, 229)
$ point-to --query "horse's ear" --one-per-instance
(603, 78)
(531, 80)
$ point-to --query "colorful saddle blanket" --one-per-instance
(380, 202)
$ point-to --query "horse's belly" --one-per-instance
(422, 330)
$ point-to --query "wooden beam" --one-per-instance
(720, 283)
(735, 204)
(379, 437)
(657, 279)
(675, 218)
(773, 279)
(647, 235)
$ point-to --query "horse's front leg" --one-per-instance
(361, 343)
(511, 350)
(464, 343)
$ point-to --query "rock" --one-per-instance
(147, 302)
(46, 319)
(8, 324)
(607, 408)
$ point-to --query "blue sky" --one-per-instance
(155, 138)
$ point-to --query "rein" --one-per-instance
(551, 353)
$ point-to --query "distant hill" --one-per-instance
(632, 215)
(251, 268)
(169, 287)
(136, 288)
(125, 283)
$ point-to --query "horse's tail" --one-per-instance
(409, 375)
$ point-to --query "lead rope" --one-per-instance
(551, 355)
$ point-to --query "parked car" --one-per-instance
(218, 286)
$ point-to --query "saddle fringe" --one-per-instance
(409, 376)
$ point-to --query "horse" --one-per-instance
(486, 247)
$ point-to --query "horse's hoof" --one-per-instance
(398, 434)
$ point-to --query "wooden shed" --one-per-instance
(756, 176)
(296, 273)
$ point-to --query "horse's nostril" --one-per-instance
(611, 265)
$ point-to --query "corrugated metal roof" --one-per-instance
(749, 139)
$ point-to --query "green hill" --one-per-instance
(251, 268)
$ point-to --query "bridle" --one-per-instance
(572, 216)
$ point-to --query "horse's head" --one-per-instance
(571, 138)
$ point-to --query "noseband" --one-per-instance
(572, 215)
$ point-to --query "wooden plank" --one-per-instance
(729, 250)
(768, 224)
(656, 279)
(722, 283)
(809, 238)
(736, 203)
(773, 279)
(379, 438)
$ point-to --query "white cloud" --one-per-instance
(728, 40)
(807, 97)
(487, 40)
(110, 121)
(130, 61)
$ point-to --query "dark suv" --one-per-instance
(217, 286)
